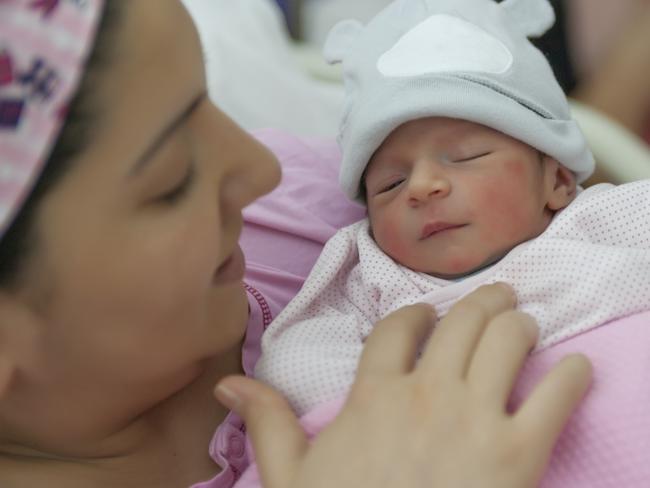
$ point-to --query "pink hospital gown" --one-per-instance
(283, 234)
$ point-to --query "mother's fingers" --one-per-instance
(268, 417)
(500, 355)
(452, 346)
(392, 345)
(546, 411)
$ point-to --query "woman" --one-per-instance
(121, 302)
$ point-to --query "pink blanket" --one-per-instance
(607, 441)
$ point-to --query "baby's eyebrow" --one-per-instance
(147, 156)
(368, 172)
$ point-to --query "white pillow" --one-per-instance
(253, 73)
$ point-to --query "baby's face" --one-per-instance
(447, 197)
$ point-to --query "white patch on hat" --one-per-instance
(444, 43)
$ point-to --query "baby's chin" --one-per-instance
(465, 271)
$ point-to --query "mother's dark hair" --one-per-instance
(20, 240)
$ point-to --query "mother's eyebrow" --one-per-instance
(147, 155)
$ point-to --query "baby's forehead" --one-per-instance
(437, 130)
(443, 127)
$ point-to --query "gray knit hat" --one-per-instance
(465, 59)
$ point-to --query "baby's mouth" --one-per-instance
(434, 228)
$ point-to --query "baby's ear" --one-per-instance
(561, 184)
(533, 17)
(340, 40)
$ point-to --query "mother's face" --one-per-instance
(137, 275)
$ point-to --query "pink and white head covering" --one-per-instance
(44, 45)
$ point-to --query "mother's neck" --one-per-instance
(166, 446)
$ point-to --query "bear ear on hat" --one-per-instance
(340, 39)
(533, 17)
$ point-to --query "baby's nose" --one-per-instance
(424, 186)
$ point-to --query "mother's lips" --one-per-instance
(436, 227)
(232, 269)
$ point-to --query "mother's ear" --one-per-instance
(18, 338)
(560, 184)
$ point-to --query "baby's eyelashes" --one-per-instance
(390, 186)
(466, 158)
(384, 186)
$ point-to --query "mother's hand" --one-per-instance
(439, 423)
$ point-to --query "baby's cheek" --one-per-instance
(494, 200)
(389, 237)
(509, 221)
(515, 169)
(508, 215)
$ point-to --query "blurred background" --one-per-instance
(265, 68)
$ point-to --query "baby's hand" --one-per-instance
(440, 423)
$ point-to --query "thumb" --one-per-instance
(279, 441)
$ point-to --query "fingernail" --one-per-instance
(432, 309)
(533, 329)
(509, 289)
(227, 397)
